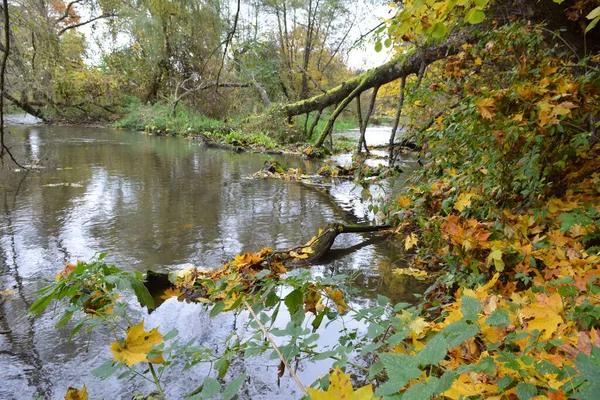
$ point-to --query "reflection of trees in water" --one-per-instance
(19, 329)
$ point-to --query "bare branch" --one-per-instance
(228, 40)
(4, 150)
(89, 21)
(67, 11)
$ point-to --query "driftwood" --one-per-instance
(301, 256)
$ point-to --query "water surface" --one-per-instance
(155, 203)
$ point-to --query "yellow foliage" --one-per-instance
(76, 394)
(340, 387)
(410, 241)
(137, 345)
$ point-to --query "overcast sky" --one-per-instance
(360, 58)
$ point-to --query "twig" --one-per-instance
(270, 339)
(3, 148)
(228, 41)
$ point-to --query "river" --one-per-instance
(157, 203)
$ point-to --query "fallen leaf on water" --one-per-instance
(76, 394)
(137, 345)
(78, 185)
(170, 292)
(8, 292)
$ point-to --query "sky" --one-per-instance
(361, 57)
(366, 57)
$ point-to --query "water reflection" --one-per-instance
(151, 203)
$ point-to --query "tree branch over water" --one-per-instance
(4, 150)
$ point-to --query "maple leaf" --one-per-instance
(170, 292)
(340, 387)
(403, 201)
(545, 314)
(338, 299)
(496, 257)
(411, 241)
(464, 200)
(76, 394)
(311, 300)
(464, 387)
(137, 345)
(486, 107)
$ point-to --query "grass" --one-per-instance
(159, 118)
(266, 131)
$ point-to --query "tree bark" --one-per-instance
(363, 129)
(402, 65)
(397, 119)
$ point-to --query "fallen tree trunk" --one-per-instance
(28, 108)
(402, 65)
(249, 265)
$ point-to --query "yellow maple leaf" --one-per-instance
(338, 299)
(137, 345)
(170, 292)
(300, 256)
(411, 241)
(496, 257)
(403, 201)
(545, 313)
(486, 107)
(340, 387)
(307, 250)
(76, 394)
(464, 387)
(464, 201)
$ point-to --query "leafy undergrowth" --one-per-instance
(506, 213)
(508, 209)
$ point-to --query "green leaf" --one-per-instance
(219, 306)
(369, 348)
(498, 318)
(171, 334)
(438, 31)
(222, 365)
(142, 293)
(375, 330)
(418, 392)
(382, 300)
(439, 386)
(210, 388)
(592, 24)
(401, 368)
(378, 46)
(40, 304)
(595, 13)
(459, 331)
(232, 388)
(526, 391)
(589, 367)
(105, 370)
(503, 383)
(317, 321)
(262, 274)
(293, 301)
(434, 351)
(471, 307)
(475, 16)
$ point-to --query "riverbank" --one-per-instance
(269, 131)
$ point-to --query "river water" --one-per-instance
(162, 204)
